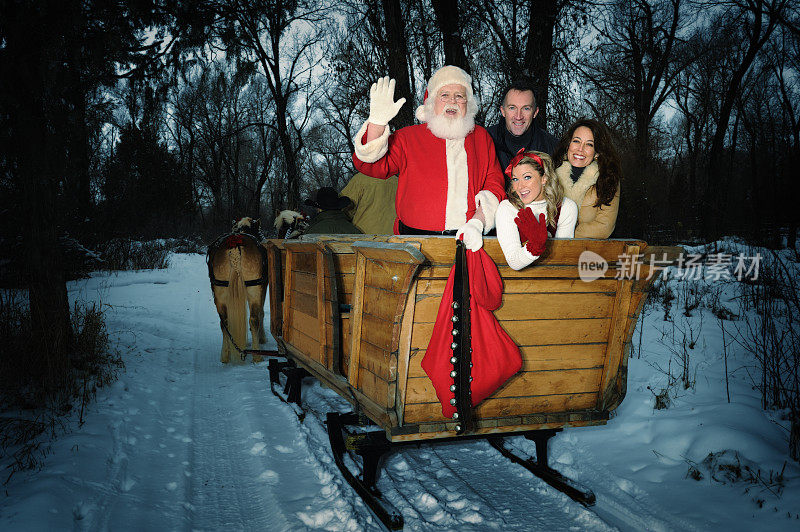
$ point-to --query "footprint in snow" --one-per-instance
(283, 449)
(426, 501)
(270, 477)
(80, 511)
(259, 449)
(127, 484)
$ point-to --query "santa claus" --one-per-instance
(449, 179)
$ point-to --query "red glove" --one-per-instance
(535, 233)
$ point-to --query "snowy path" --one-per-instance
(181, 442)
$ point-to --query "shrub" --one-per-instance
(37, 392)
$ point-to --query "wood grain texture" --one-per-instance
(535, 332)
(505, 407)
(530, 383)
(554, 306)
(539, 358)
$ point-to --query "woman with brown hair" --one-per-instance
(589, 171)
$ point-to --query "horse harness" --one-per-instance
(236, 240)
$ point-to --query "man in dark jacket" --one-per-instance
(518, 129)
(331, 218)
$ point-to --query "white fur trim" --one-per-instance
(373, 150)
(488, 203)
(577, 190)
(445, 76)
(420, 114)
(455, 214)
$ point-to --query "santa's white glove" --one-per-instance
(473, 234)
(382, 106)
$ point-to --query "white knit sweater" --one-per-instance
(508, 235)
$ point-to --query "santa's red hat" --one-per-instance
(445, 76)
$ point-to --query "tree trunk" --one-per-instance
(714, 197)
(398, 60)
(539, 50)
(448, 22)
(38, 107)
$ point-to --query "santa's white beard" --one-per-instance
(446, 127)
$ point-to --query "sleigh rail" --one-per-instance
(357, 313)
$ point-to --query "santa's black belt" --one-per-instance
(406, 230)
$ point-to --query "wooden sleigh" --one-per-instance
(357, 313)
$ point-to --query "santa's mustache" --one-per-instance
(450, 107)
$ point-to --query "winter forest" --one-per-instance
(126, 122)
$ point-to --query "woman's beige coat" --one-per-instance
(593, 222)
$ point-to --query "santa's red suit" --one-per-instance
(439, 179)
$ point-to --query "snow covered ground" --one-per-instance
(182, 443)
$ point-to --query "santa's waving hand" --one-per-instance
(382, 106)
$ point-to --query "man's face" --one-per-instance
(519, 111)
(451, 101)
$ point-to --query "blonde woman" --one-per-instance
(534, 193)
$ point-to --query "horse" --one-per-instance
(237, 268)
(295, 223)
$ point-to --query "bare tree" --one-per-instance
(522, 34)
(639, 57)
(754, 21)
(275, 41)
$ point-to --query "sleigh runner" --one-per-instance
(357, 313)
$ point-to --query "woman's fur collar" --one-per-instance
(577, 190)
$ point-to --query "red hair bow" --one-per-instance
(521, 154)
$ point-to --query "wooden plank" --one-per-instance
(374, 387)
(276, 288)
(378, 361)
(441, 250)
(399, 253)
(356, 317)
(345, 263)
(538, 306)
(345, 290)
(305, 283)
(531, 383)
(535, 332)
(617, 337)
(427, 308)
(529, 286)
(425, 432)
(304, 303)
(504, 407)
(305, 323)
(539, 358)
(376, 331)
(321, 304)
(340, 247)
(303, 262)
(381, 304)
(388, 276)
(562, 357)
(288, 292)
(532, 272)
(404, 351)
(302, 342)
